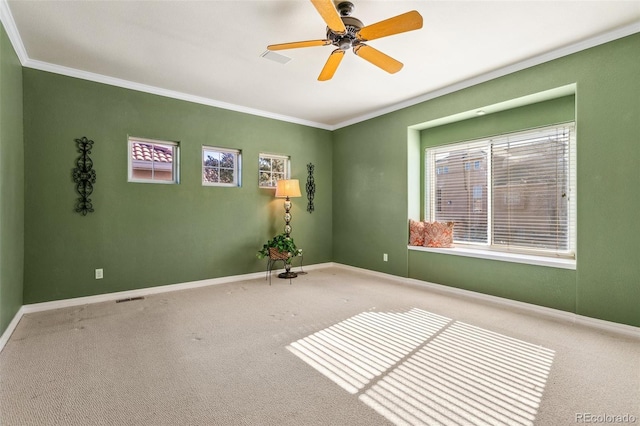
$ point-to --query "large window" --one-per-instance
(220, 166)
(515, 192)
(272, 168)
(153, 161)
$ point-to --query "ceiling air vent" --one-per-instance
(276, 57)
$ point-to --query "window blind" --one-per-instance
(459, 180)
(513, 192)
(530, 177)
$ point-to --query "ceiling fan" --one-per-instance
(345, 32)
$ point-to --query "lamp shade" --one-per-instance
(288, 188)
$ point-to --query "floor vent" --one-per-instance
(128, 299)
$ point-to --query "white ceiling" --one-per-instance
(210, 51)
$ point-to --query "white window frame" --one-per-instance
(236, 170)
(174, 167)
(287, 168)
(488, 250)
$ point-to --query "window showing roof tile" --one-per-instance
(148, 152)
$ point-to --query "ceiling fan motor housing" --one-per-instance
(348, 39)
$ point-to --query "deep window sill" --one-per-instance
(551, 262)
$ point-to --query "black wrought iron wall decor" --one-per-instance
(311, 188)
(84, 176)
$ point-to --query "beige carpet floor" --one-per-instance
(336, 347)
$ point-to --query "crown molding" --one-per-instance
(112, 81)
(12, 31)
(500, 72)
(14, 36)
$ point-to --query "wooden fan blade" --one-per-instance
(297, 44)
(328, 11)
(332, 65)
(398, 24)
(378, 58)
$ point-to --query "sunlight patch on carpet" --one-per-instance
(359, 349)
(417, 367)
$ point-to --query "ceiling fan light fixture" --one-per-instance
(344, 44)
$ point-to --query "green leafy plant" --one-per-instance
(281, 243)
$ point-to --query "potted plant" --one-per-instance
(279, 247)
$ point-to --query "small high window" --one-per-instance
(272, 168)
(153, 161)
(220, 166)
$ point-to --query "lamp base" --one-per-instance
(287, 274)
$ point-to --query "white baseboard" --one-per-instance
(608, 326)
(109, 297)
(12, 326)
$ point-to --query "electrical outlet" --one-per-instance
(99, 274)
(385, 257)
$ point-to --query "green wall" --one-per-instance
(11, 183)
(149, 235)
(146, 235)
(371, 208)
